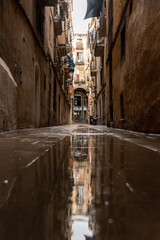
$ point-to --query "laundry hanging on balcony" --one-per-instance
(94, 8)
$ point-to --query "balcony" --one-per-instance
(103, 20)
(66, 73)
(98, 45)
(57, 20)
(80, 81)
(79, 61)
(68, 48)
(50, 3)
(93, 72)
(56, 57)
(62, 44)
(64, 5)
(62, 50)
(93, 68)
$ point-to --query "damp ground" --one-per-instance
(79, 182)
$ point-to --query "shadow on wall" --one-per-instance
(8, 97)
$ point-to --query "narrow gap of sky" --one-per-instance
(79, 10)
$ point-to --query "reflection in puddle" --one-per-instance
(80, 227)
(85, 187)
(81, 193)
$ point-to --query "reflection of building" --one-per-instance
(80, 148)
(81, 175)
(43, 205)
(81, 194)
(81, 76)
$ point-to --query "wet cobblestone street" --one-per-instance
(79, 182)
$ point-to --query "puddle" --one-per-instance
(85, 187)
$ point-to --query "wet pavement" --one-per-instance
(79, 182)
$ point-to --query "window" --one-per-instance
(39, 17)
(121, 106)
(130, 7)
(77, 101)
(100, 109)
(44, 85)
(79, 56)
(102, 71)
(77, 74)
(102, 75)
(103, 104)
(123, 42)
(110, 24)
(57, 10)
(50, 26)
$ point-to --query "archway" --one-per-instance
(80, 105)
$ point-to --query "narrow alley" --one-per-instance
(79, 120)
(79, 182)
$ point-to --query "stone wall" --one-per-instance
(136, 78)
(26, 55)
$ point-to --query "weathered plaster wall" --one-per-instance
(28, 63)
(8, 94)
(19, 48)
(143, 70)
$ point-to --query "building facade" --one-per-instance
(81, 77)
(133, 71)
(124, 65)
(35, 37)
(97, 40)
